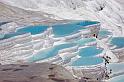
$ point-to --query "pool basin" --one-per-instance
(89, 51)
(118, 42)
(70, 28)
(33, 29)
(48, 53)
(104, 33)
(88, 61)
(119, 78)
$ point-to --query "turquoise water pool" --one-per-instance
(59, 30)
(104, 33)
(33, 29)
(83, 41)
(116, 68)
(89, 51)
(1, 36)
(85, 23)
(6, 36)
(87, 61)
(118, 41)
(50, 52)
(70, 28)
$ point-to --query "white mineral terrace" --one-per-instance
(22, 56)
(107, 51)
(43, 40)
(19, 48)
(37, 40)
(94, 72)
(9, 27)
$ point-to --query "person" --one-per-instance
(110, 71)
(108, 57)
(94, 35)
(106, 60)
(107, 76)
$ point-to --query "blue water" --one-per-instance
(1, 36)
(33, 29)
(83, 41)
(65, 30)
(49, 53)
(89, 51)
(70, 28)
(118, 41)
(85, 23)
(104, 33)
(9, 35)
(87, 61)
(117, 79)
(116, 67)
(59, 29)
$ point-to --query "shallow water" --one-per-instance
(87, 61)
(89, 51)
(118, 41)
(33, 29)
(70, 28)
(104, 33)
(49, 53)
(2, 36)
(59, 30)
(84, 41)
(13, 34)
(116, 67)
(117, 79)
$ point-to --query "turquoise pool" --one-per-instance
(50, 52)
(89, 51)
(59, 30)
(33, 29)
(1, 36)
(118, 42)
(85, 23)
(70, 28)
(84, 52)
(104, 33)
(116, 67)
(87, 61)
(6, 36)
